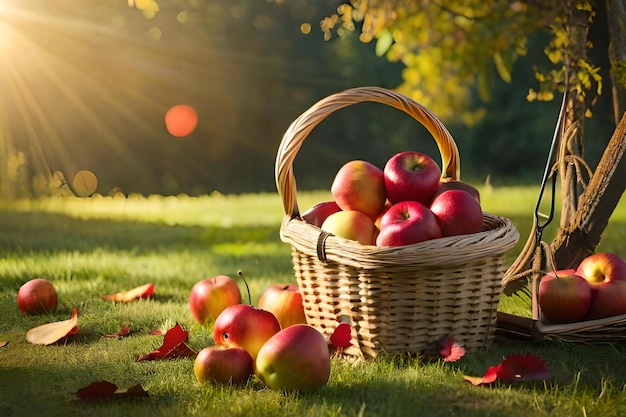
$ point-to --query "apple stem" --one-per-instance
(240, 273)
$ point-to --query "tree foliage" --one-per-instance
(450, 47)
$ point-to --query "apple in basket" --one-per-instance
(606, 274)
(359, 185)
(446, 184)
(37, 296)
(244, 326)
(457, 213)
(226, 366)
(285, 302)
(564, 297)
(295, 359)
(319, 212)
(411, 176)
(406, 223)
(351, 224)
(210, 296)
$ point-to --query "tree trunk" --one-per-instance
(616, 12)
(580, 238)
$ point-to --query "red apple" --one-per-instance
(285, 302)
(37, 296)
(210, 296)
(602, 267)
(446, 184)
(406, 223)
(608, 300)
(319, 212)
(244, 326)
(351, 224)
(295, 359)
(564, 297)
(457, 213)
(411, 176)
(359, 185)
(216, 365)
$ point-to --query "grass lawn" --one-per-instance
(92, 247)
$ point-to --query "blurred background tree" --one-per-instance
(86, 87)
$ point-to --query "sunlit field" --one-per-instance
(97, 246)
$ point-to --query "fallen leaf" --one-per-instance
(523, 368)
(104, 389)
(341, 336)
(173, 346)
(514, 368)
(450, 351)
(122, 333)
(143, 291)
(156, 332)
(3, 343)
(49, 333)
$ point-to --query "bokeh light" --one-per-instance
(181, 120)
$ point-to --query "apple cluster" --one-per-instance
(271, 341)
(596, 289)
(406, 202)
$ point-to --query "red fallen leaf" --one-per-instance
(173, 346)
(104, 389)
(143, 291)
(514, 368)
(49, 333)
(450, 351)
(122, 333)
(341, 336)
(3, 343)
(156, 332)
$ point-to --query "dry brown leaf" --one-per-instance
(47, 334)
(143, 291)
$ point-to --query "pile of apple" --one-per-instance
(271, 341)
(596, 289)
(406, 202)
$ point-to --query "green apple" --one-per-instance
(295, 359)
(352, 225)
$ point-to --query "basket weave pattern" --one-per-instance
(397, 299)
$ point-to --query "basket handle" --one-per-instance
(304, 124)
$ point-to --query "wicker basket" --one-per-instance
(397, 299)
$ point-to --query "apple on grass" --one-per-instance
(285, 302)
(457, 213)
(351, 224)
(319, 212)
(244, 326)
(564, 297)
(37, 296)
(411, 176)
(295, 359)
(359, 185)
(406, 223)
(226, 366)
(210, 296)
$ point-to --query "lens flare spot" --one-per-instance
(181, 120)
(85, 183)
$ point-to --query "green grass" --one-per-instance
(89, 248)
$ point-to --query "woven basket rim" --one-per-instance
(499, 236)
